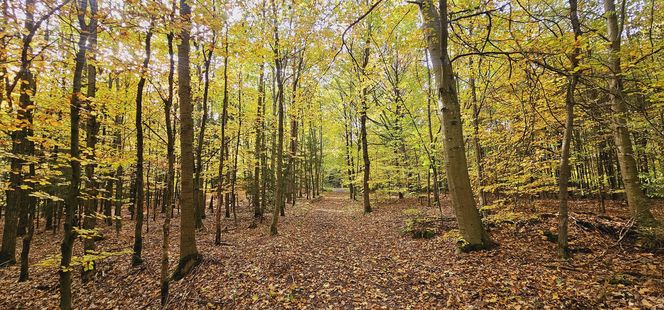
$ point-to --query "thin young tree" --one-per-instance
(279, 77)
(92, 130)
(563, 182)
(136, 258)
(170, 173)
(71, 205)
(224, 146)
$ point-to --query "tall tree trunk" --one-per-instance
(92, 128)
(363, 126)
(117, 141)
(19, 202)
(319, 164)
(456, 165)
(292, 153)
(348, 136)
(169, 193)
(563, 182)
(433, 164)
(71, 205)
(28, 89)
(136, 258)
(636, 199)
(200, 197)
(236, 150)
(476, 136)
(256, 201)
(170, 173)
(189, 256)
(279, 75)
(222, 152)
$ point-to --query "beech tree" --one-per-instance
(456, 166)
(189, 256)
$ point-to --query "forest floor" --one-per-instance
(330, 255)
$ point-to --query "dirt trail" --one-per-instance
(329, 254)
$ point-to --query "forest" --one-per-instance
(371, 154)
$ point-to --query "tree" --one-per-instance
(224, 146)
(92, 131)
(363, 124)
(456, 166)
(170, 173)
(256, 201)
(636, 199)
(71, 205)
(136, 258)
(189, 256)
(19, 201)
(563, 250)
(279, 76)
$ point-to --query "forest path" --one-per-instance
(328, 254)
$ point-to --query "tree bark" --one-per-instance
(476, 136)
(71, 205)
(366, 203)
(279, 182)
(563, 182)
(636, 199)
(456, 165)
(19, 202)
(200, 197)
(224, 145)
(139, 201)
(92, 128)
(170, 173)
(189, 256)
(433, 164)
(256, 199)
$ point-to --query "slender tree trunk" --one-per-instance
(236, 151)
(348, 135)
(28, 89)
(170, 173)
(119, 172)
(279, 75)
(189, 256)
(256, 200)
(319, 166)
(71, 205)
(92, 128)
(563, 182)
(292, 154)
(601, 176)
(476, 137)
(170, 135)
(363, 126)
(222, 152)
(433, 164)
(200, 197)
(139, 201)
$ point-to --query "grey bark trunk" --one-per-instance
(636, 199)
(456, 165)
